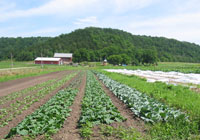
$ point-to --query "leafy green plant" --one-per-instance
(49, 117)
(145, 107)
(86, 130)
(97, 107)
(173, 96)
(22, 105)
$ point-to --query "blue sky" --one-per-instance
(179, 19)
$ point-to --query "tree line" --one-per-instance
(97, 44)
(133, 57)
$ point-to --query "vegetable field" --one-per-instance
(92, 104)
(143, 106)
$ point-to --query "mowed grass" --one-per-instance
(16, 64)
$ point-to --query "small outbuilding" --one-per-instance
(105, 62)
(48, 60)
(65, 57)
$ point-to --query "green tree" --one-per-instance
(115, 59)
(125, 59)
(96, 44)
(149, 56)
(25, 56)
(76, 56)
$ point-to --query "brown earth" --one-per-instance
(19, 84)
(5, 130)
(70, 130)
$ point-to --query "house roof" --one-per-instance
(47, 59)
(67, 55)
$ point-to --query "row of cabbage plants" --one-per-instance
(17, 108)
(145, 107)
(50, 117)
(97, 107)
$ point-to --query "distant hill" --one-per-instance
(94, 44)
(17, 45)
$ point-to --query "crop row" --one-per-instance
(97, 107)
(7, 114)
(18, 94)
(77, 81)
(145, 107)
(49, 117)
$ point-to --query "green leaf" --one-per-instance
(23, 132)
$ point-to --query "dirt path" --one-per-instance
(132, 120)
(5, 130)
(7, 103)
(19, 84)
(70, 130)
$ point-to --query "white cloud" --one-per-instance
(54, 7)
(125, 5)
(76, 7)
(6, 6)
(85, 21)
(182, 27)
(181, 18)
(185, 6)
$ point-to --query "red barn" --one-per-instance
(66, 57)
(48, 60)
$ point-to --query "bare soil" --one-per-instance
(19, 84)
(70, 130)
(5, 130)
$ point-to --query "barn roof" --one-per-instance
(47, 59)
(67, 55)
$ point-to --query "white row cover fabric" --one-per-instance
(167, 77)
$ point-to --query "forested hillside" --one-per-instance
(95, 44)
(18, 46)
